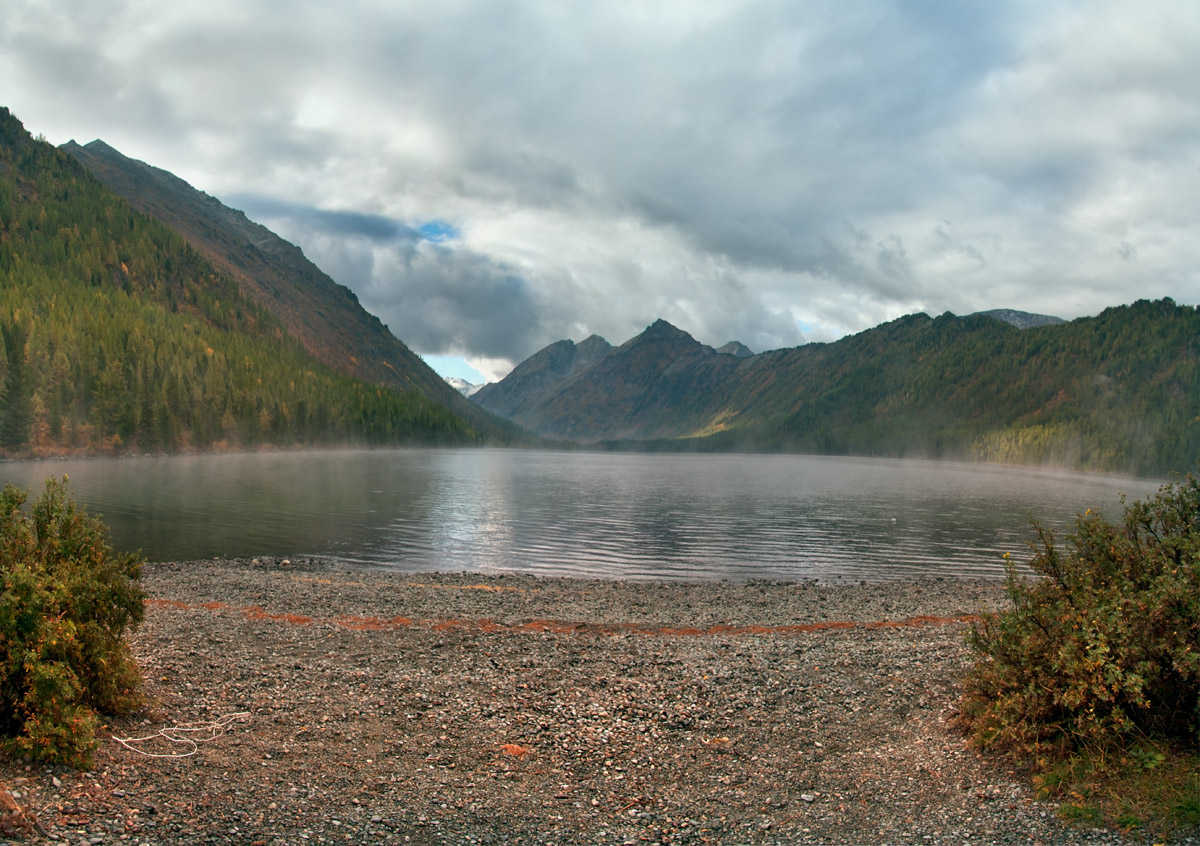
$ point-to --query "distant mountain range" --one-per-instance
(641, 393)
(1119, 391)
(138, 314)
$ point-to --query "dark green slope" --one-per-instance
(120, 336)
(324, 316)
(1115, 392)
(1120, 391)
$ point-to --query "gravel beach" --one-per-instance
(292, 702)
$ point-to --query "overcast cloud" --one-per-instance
(492, 176)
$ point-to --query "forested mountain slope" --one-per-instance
(1119, 391)
(324, 316)
(119, 335)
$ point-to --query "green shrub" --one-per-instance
(66, 600)
(1098, 659)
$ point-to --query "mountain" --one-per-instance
(540, 376)
(322, 315)
(119, 336)
(1021, 319)
(660, 384)
(551, 392)
(467, 389)
(736, 349)
(1115, 392)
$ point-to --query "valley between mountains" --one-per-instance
(142, 315)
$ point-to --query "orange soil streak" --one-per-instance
(486, 626)
(169, 603)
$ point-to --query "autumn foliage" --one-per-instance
(66, 601)
(1105, 646)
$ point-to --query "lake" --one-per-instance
(606, 515)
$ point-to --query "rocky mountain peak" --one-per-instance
(736, 349)
(1021, 319)
(588, 352)
(661, 330)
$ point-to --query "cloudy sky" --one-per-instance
(491, 176)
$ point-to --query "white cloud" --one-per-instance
(743, 169)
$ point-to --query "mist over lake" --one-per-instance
(605, 515)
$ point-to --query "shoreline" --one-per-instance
(327, 705)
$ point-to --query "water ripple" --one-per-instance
(584, 514)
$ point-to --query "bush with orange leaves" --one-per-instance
(66, 601)
(1092, 675)
(1104, 647)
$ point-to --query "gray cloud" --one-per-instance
(752, 169)
(329, 223)
(449, 300)
(440, 299)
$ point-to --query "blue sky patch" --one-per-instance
(453, 365)
(438, 231)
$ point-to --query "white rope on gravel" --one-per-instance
(183, 734)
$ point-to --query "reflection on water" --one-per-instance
(585, 514)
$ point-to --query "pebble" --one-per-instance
(466, 708)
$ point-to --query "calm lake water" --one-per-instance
(585, 514)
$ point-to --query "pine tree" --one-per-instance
(16, 395)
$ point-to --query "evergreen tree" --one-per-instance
(16, 394)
